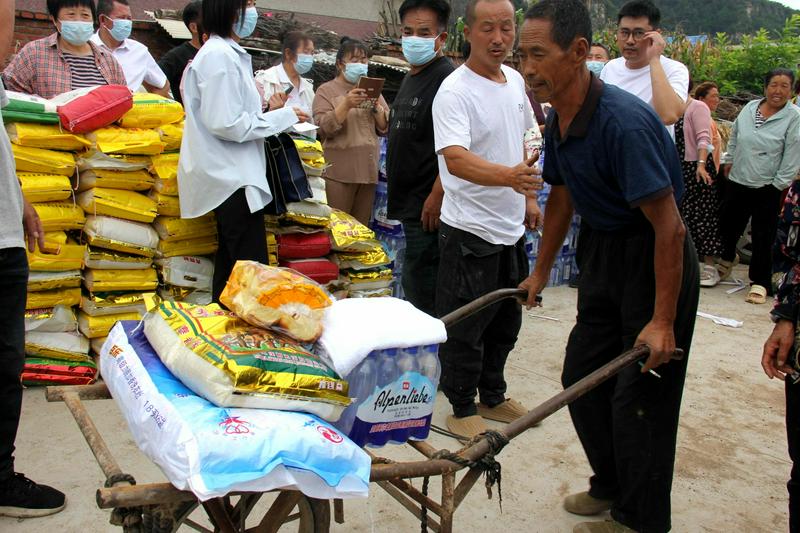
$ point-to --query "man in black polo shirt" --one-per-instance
(174, 62)
(415, 191)
(608, 156)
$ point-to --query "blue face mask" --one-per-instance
(76, 32)
(245, 27)
(595, 66)
(304, 63)
(353, 71)
(419, 50)
(121, 29)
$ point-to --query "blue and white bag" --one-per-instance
(213, 451)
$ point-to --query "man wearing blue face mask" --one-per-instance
(597, 58)
(415, 190)
(141, 70)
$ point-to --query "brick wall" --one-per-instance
(30, 26)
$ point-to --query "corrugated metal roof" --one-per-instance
(329, 58)
(176, 28)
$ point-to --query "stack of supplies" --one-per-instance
(56, 354)
(388, 231)
(256, 355)
(300, 235)
(362, 259)
(122, 242)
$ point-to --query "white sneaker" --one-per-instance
(709, 277)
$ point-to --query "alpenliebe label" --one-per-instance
(396, 412)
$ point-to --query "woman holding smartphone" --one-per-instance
(349, 126)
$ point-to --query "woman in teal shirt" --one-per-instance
(762, 159)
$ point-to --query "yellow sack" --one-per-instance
(124, 236)
(45, 281)
(60, 216)
(173, 228)
(168, 206)
(69, 257)
(112, 303)
(127, 205)
(138, 180)
(109, 260)
(151, 111)
(308, 213)
(165, 167)
(120, 280)
(44, 187)
(68, 297)
(231, 363)
(43, 161)
(68, 345)
(55, 237)
(363, 260)
(201, 246)
(93, 160)
(49, 136)
(114, 140)
(93, 327)
(171, 136)
(348, 234)
(308, 149)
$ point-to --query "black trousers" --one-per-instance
(793, 434)
(13, 293)
(761, 206)
(241, 236)
(420, 266)
(627, 425)
(474, 356)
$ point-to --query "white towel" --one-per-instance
(357, 326)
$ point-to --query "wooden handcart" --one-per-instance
(160, 507)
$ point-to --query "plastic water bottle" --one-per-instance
(429, 365)
(362, 382)
(407, 360)
(387, 367)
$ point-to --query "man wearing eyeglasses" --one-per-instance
(642, 70)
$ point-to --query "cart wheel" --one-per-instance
(289, 512)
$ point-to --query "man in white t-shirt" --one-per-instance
(642, 70)
(141, 70)
(480, 116)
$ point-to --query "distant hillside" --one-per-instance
(692, 16)
(706, 17)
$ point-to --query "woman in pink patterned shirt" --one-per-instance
(65, 60)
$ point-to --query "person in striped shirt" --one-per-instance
(65, 60)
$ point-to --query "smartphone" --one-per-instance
(288, 91)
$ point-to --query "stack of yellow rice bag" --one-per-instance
(362, 260)
(44, 163)
(109, 204)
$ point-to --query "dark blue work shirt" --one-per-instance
(615, 156)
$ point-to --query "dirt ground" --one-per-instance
(730, 474)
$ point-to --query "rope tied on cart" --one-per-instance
(129, 518)
(487, 464)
